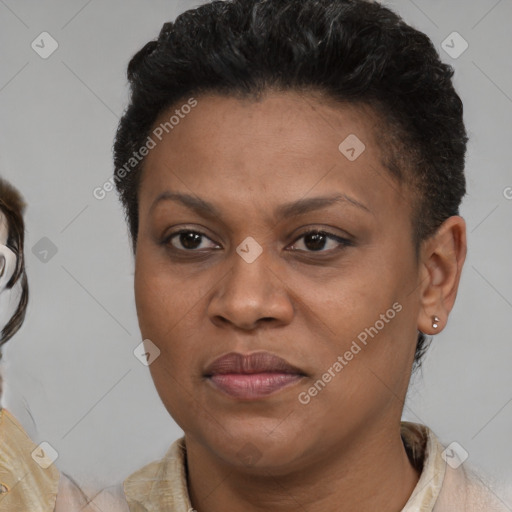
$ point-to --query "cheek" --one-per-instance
(170, 313)
(162, 317)
(359, 382)
(371, 326)
(159, 298)
(354, 301)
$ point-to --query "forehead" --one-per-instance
(285, 145)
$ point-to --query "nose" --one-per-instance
(252, 293)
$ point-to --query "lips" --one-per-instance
(252, 376)
(259, 362)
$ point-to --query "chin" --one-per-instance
(256, 445)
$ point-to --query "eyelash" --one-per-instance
(343, 242)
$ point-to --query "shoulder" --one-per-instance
(447, 482)
(172, 462)
(162, 484)
(28, 478)
(71, 497)
(466, 488)
(486, 494)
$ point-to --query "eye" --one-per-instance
(316, 241)
(187, 240)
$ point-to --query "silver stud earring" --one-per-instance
(435, 321)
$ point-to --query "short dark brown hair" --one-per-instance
(354, 51)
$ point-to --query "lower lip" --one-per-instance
(253, 386)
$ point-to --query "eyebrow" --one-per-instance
(287, 210)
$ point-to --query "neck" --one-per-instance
(369, 473)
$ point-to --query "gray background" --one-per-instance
(72, 379)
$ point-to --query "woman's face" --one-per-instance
(340, 308)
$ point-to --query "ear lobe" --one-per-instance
(7, 266)
(443, 259)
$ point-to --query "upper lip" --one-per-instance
(258, 362)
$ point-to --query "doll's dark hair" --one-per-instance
(352, 51)
(12, 207)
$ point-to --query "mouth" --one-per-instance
(253, 376)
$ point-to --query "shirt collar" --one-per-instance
(424, 451)
(162, 485)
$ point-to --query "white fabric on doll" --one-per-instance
(7, 257)
(8, 296)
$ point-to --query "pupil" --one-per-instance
(318, 241)
(189, 238)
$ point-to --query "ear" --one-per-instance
(7, 266)
(442, 258)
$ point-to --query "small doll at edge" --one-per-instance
(25, 484)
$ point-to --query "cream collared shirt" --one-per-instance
(29, 484)
(444, 484)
